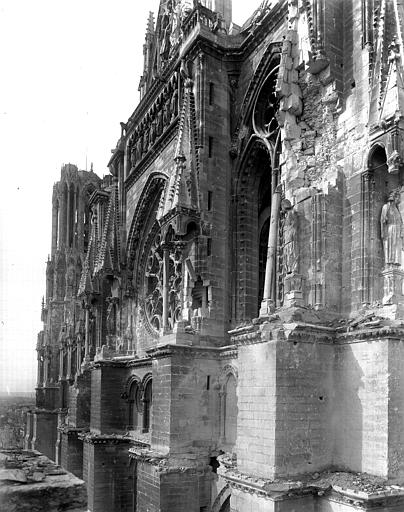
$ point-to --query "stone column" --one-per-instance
(46, 370)
(68, 217)
(166, 269)
(62, 218)
(80, 221)
(55, 208)
(268, 302)
(366, 242)
(87, 334)
(61, 369)
(69, 361)
(39, 372)
(78, 358)
(222, 414)
(74, 217)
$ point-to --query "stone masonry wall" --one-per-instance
(45, 433)
(361, 378)
(304, 406)
(256, 425)
(211, 263)
(108, 409)
(109, 481)
(148, 487)
(72, 453)
(79, 401)
(184, 419)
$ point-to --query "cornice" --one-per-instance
(163, 462)
(170, 350)
(229, 352)
(105, 363)
(66, 429)
(363, 335)
(324, 486)
(92, 438)
(137, 363)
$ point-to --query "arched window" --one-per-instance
(147, 405)
(253, 207)
(230, 411)
(134, 405)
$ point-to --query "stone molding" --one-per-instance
(162, 142)
(183, 350)
(91, 438)
(325, 488)
(310, 333)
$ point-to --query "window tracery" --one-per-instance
(163, 278)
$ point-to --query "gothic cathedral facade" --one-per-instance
(224, 313)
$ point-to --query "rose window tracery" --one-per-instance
(155, 288)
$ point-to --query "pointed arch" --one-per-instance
(155, 185)
(269, 61)
(222, 499)
(147, 399)
(144, 225)
(252, 201)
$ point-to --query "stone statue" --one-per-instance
(138, 153)
(290, 249)
(111, 317)
(174, 104)
(166, 24)
(159, 124)
(133, 156)
(391, 225)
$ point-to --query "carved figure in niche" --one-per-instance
(175, 26)
(133, 155)
(218, 24)
(138, 152)
(166, 113)
(290, 248)
(391, 225)
(197, 304)
(166, 25)
(111, 317)
(159, 122)
(146, 140)
(174, 104)
(143, 143)
(186, 7)
(394, 162)
(60, 285)
(153, 131)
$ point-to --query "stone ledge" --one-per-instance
(31, 483)
(359, 489)
(92, 438)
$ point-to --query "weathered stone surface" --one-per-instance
(203, 348)
(35, 483)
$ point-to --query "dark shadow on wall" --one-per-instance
(347, 418)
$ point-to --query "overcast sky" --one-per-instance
(69, 74)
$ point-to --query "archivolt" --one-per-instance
(223, 495)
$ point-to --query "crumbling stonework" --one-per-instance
(30, 481)
(223, 321)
